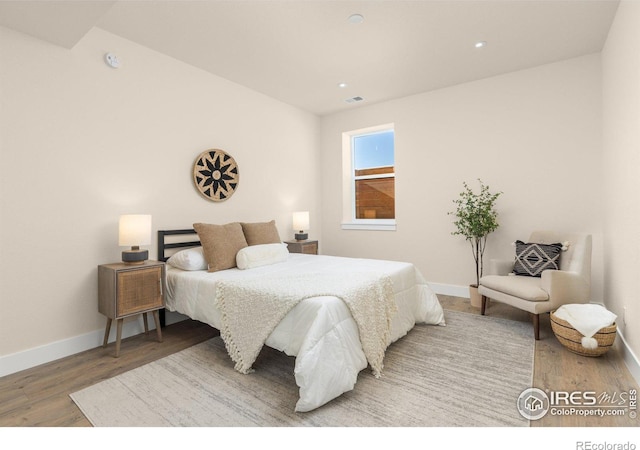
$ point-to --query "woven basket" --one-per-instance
(572, 338)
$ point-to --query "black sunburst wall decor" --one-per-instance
(215, 174)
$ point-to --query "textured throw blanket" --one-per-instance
(251, 309)
(588, 319)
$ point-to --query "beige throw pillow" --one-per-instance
(261, 233)
(220, 243)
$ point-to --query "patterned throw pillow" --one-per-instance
(532, 258)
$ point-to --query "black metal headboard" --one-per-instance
(163, 245)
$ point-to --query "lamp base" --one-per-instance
(135, 256)
(302, 236)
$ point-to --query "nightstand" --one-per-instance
(125, 290)
(308, 247)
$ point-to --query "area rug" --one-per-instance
(468, 373)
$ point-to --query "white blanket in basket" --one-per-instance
(588, 319)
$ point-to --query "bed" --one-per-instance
(320, 331)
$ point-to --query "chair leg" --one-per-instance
(483, 306)
(536, 326)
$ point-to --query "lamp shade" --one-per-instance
(301, 223)
(134, 230)
(301, 220)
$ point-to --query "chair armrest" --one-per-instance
(565, 287)
(499, 267)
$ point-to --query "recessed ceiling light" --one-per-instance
(342, 85)
(481, 44)
(354, 99)
(356, 18)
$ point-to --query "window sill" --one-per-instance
(375, 225)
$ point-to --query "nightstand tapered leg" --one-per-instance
(146, 323)
(106, 333)
(156, 318)
(118, 336)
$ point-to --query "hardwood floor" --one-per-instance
(39, 397)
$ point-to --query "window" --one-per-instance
(369, 159)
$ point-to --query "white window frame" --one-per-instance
(349, 221)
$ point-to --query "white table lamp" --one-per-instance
(301, 223)
(134, 231)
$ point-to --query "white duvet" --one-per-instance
(320, 332)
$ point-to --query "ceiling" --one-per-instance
(299, 51)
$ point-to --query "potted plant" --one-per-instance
(475, 219)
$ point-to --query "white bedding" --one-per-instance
(320, 332)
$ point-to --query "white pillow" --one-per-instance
(261, 255)
(189, 259)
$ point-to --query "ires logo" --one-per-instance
(533, 403)
(576, 398)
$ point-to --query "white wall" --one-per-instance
(82, 143)
(621, 163)
(535, 135)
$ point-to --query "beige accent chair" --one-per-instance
(570, 284)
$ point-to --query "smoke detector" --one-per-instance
(112, 60)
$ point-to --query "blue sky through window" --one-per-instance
(373, 150)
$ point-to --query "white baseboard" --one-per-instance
(27, 359)
(450, 289)
(630, 358)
